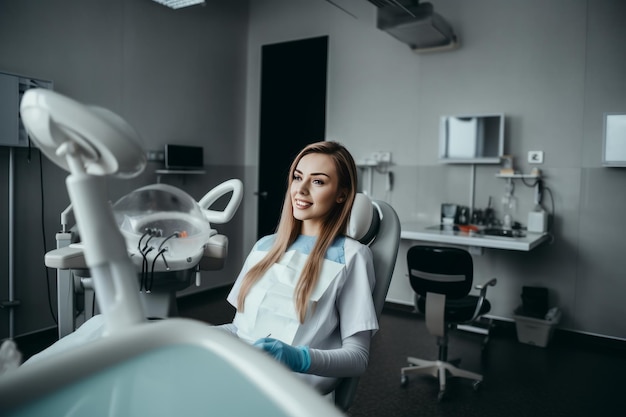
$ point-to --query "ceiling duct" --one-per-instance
(415, 24)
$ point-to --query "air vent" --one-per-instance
(415, 24)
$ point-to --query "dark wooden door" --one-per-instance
(293, 114)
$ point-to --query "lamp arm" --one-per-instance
(114, 275)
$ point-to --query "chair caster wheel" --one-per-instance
(440, 396)
(404, 381)
(476, 385)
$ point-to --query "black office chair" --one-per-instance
(376, 224)
(442, 279)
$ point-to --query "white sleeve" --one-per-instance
(355, 302)
(349, 360)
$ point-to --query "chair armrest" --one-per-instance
(482, 296)
(483, 287)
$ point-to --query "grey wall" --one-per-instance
(553, 67)
(175, 76)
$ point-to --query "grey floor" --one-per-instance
(574, 376)
(570, 377)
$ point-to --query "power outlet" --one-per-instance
(155, 156)
(382, 157)
(535, 157)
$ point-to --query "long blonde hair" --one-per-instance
(289, 227)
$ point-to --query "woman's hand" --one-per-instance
(296, 358)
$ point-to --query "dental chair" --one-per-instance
(442, 278)
(169, 238)
(137, 367)
(376, 224)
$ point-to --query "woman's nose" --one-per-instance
(301, 188)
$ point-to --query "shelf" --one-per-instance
(180, 171)
(474, 161)
(420, 232)
(517, 176)
(367, 164)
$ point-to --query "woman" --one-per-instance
(304, 294)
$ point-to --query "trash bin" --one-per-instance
(534, 321)
(534, 331)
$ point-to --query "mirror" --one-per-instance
(614, 149)
(471, 139)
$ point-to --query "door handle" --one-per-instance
(262, 194)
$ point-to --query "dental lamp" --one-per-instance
(166, 367)
(90, 143)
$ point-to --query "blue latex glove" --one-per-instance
(297, 358)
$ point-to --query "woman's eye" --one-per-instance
(296, 177)
(318, 182)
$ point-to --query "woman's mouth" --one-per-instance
(301, 204)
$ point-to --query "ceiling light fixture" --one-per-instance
(177, 4)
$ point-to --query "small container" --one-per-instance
(537, 221)
(536, 332)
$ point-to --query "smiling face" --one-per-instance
(315, 191)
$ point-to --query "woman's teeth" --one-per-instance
(302, 204)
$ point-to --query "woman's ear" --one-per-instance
(341, 197)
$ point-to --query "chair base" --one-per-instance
(437, 369)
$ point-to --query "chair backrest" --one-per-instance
(383, 238)
(440, 270)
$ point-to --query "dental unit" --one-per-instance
(139, 367)
(169, 239)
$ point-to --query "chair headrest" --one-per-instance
(364, 220)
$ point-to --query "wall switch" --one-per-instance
(535, 157)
